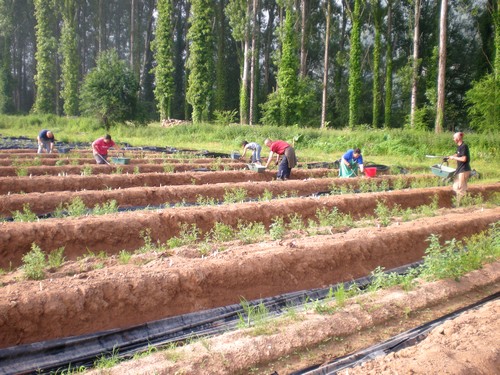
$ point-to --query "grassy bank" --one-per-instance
(394, 147)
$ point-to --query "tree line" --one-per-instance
(326, 63)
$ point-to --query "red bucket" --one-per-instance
(370, 172)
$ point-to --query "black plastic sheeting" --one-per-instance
(84, 350)
(394, 344)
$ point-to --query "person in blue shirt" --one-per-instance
(45, 141)
(351, 161)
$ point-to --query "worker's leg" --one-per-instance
(283, 169)
(460, 185)
(99, 159)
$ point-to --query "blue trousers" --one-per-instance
(283, 169)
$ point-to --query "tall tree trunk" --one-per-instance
(253, 62)
(244, 73)
(146, 78)
(133, 25)
(325, 66)
(355, 65)
(339, 68)
(221, 59)
(303, 39)
(388, 69)
(376, 62)
(414, 78)
(268, 37)
(438, 128)
(101, 26)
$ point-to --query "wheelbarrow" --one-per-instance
(121, 159)
(444, 172)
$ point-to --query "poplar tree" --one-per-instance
(355, 65)
(438, 127)
(201, 60)
(376, 61)
(6, 28)
(164, 69)
(238, 12)
(388, 69)
(70, 64)
(45, 57)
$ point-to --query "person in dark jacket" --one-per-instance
(462, 173)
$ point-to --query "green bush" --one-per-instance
(34, 263)
(109, 91)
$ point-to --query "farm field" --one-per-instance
(166, 236)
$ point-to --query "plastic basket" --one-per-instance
(123, 161)
(371, 171)
(256, 168)
(235, 155)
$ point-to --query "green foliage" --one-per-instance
(164, 69)
(295, 222)
(149, 244)
(26, 215)
(355, 65)
(376, 10)
(277, 228)
(221, 232)
(293, 100)
(206, 201)
(456, 258)
(255, 316)
(484, 101)
(188, 235)
(200, 61)
(109, 91)
(45, 56)
(235, 195)
(250, 232)
(383, 214)
(340, 295)
(225, 117)
(124, 257)
(107, 361)
(70, 57)
(55, 258)
(34, 263)
(266, 195)
(106, 208)
(22, 172)
(76, 207)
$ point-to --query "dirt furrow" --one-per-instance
(42, 184)
(43, 203)
(115, 232)
(122, 296)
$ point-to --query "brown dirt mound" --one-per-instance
(310, 338)
(126, 295)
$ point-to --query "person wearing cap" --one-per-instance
(288, 158)
(350, 162)
(100, 148)
(45, 141)
(255, 148)
(462, 173)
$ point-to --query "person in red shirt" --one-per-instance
(288, 158)
(100, 148)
